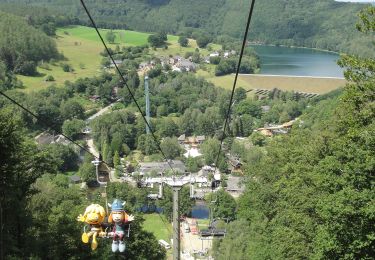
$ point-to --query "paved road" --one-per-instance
(92, 148)
(100, 112)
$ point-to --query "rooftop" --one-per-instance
(160, 167)
(235, 184)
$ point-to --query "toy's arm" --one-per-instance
(81, 218)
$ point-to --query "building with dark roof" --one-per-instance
(147, 168)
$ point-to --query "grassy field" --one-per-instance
(154, 224)
(203, 223)
(123, 37)
(82, 55)
(81, 46)
(302, 84)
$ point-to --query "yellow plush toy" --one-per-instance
(94, 216)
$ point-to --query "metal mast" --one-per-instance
(176, 185)
(147, 95)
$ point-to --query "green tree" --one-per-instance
(73, 128)
(183, 41)
(192, 164)
(21, 163)
(87, 170)
(22, 46)
(240, 94)
(157, 40)
(215, 60)
(223, 205)
(110, 36)
(147, 144)
(258, 139)
(72, 109)
(64, 156)
(171, 148)
(54, 209)
(203, 40)
(116, 159)
(210, 149)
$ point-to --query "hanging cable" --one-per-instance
(235, 80)
(126, 85)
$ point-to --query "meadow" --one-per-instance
(158, 225)
(286, 83)
(81, 48)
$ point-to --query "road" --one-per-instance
(100, 112)
(91, 146)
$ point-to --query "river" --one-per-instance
(277, 60)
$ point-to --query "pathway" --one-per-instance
(91, 146)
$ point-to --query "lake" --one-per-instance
(297, 61)
(200, 211)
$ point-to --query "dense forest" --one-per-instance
(294, 22)
(310, 194)
(21, 48)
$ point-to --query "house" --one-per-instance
(235, 185)
(186, 65)
(191, 140)
(272, 130)
(117, 62)
(47, 138)
(214, 54)
(207, 169)
(174, 60)
(181, 139)
(148, 168)
(266, 132)
(234, 163)
(75, 179)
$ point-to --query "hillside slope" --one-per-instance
(324, 24)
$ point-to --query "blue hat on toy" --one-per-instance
(117, 205)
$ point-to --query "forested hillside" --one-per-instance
(21, 47)
(310, 195)
(294, 22)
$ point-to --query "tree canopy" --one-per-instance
(22, 46)
(293, 23)
(309, 195)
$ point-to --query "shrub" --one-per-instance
(66, 67)
(50, 78)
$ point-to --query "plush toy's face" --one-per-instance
(94, 218)
(117, 216)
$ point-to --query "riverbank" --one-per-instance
(293, 47)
